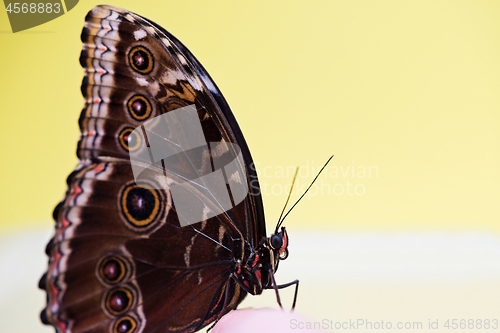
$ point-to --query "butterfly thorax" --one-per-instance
(253, 273)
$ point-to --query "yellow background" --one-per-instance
(410, 88)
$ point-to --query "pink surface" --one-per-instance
(262, 321)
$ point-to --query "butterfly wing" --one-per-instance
(120, 261)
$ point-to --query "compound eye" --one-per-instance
(276, 242)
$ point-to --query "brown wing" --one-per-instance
(119, 260)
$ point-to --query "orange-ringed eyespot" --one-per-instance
(125, 324)
(119, 301)
(112, 270)
(139, 107)
(129, 139)
(140, 204)
(141, 59)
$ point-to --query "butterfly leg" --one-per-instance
(281, 286)
(275, 287)
(296, 283)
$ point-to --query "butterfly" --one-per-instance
(146, 242)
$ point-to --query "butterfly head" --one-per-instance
(279, 244)
(274, 249)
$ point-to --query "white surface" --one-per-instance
(22, 263)
(394, 258)
(343, 276)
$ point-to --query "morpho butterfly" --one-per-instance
(130, 253)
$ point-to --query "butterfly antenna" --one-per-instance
(287, 199)
(296, 202)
